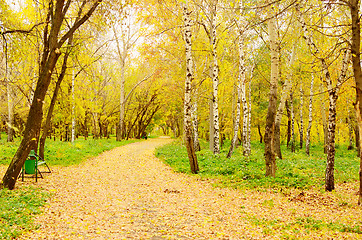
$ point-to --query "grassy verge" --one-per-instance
(65, 153)
(17, 209)
(295, 170)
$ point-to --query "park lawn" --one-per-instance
(295, 170)
(65, 153)
(19, 206)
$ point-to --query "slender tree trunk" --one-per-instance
(237, 122)
(248, 148)
(195, 124)
(310, 117)
(350, 132)
(301, 128)
(215, 82)
(292, 118)
(286, 91)
(122, 103)
(333, 96)
(289, 127)
(270, 161)
(324, 121)
(47, 123)
(211, 126)
(10, 109)
(73, 108)
(240, 98)
(356, 63)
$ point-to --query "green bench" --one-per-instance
(31, 166)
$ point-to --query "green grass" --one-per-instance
(65, 153)
(295, 170)
(17, 209)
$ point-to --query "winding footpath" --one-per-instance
(127, 193)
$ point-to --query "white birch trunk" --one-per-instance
(215, 83)
(245, 113)
(237, 121)
(73, 107)
(188, 85)
(310, 117)
(333, 96)
(241, 93)
(195, 123)
(249, 117)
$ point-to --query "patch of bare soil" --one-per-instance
(127, 193)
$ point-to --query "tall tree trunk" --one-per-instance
(301, 127)
(333, 96)
(240, 95)
(215, 82)
(350, 131)
(356, 63)
(289, 127)
(47, 123)
(236, 123)
(188, 85)
(324, 121)
(248, 147)
(10, 96)
(286, 91)
(73, 107)
(260, 134)
(211, 126)
(292, 118)
(310, 117)
(120, 132)
(195, 123)
(50, 55)
(270, 161)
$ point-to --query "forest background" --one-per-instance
(256, 66)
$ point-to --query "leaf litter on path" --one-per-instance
(127, 193)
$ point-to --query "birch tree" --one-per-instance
(310, 116)
(188, 83)
(333, 96)
(241, 91)
(215, 78)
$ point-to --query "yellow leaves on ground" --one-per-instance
(127, 193)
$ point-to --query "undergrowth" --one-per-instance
(295, 170)
(17, 209)
(65, 153)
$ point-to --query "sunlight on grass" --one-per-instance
(17, 209)
(295, 170)
(65, 153)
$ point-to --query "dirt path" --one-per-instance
(127, 193)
